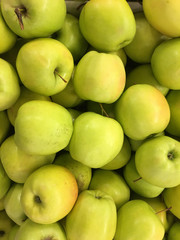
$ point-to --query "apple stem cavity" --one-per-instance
(170, 155)
(56, 72)
(20, 12)
(103, 110)
(164, 210)
(1, 233)
(137, 179)
(37, 199)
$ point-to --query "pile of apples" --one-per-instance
(89, 120)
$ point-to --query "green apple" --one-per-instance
(136, 219)
(121, 158)
(107, 25)
(25, 96)
(165, 63)
(174, 231)
(99, 77)
(71, 36)
(13, 232)
(2, 203)
(23, 164)
(96, 139)
(49, 194)
(112, 184)
(142, 74)
(9, 38)
(171, 198)
(4, 126)
(12, 204)
(6, 225)
(93, 217)
(138, 184)
(81, 172)
(5, 181)
(158, 161)
(142, 110)
(74, 113)
(67, 98)
(44, 65)
(9, 81)
(159, 15)
(173, 99)
(121, 53)
(30, 230)
(42, 127)
(32, 19)
(146, 39)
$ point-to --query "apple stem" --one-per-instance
(60, 76)
(137, 179)
(164, 210)
(18, 12)
(103, 110)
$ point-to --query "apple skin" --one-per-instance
(107, 35)
(13, 232)
(42, 127)
(149, 108)
(12, 204)
(146, 39)
(173, 99)
(42, 63)
(99, 77)
(49, 194)
(171, 198)
(90, 142)
(81, 172)
(2, 203)
(112, 184)
(174, 231)
(142, 74)
(136, 219)
(166, 71)
(4, 126)
(30, 230)
(158, 161)
(9, 81)
(9, 38)
(25, 96)
(44, 18)
(6, 225)
(5, 181)
(141, 187)
(71, 36)
(93, 217)
(159, 15)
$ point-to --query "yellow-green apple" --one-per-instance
(142, 110)
(96, 139)
(121, 158)
(23, 164)
(146, 39)
(81, 172)
(121, 53)
(25, 96)
(93, 217)
(4, 126)
(158, 161)
(171, 198)
(136, 219)
(74, 113)
(9, 38)
(142, 74)
(2, 203)
(71, 36)
(107, 25)
(174, 231)
(112, 184)
(30, 230)
(44, 65)
(99, 77)
(32, 19)
(12, 204)
(159, 15)
(5, 182)
(49, 194)
(6, 225)
(13, 232)
(9, 81)
(42, 127)
(138, 184)
(165, 63)
(173, 99)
